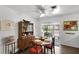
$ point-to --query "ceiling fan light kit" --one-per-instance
(48, 10)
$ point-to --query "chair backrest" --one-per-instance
(53, 41)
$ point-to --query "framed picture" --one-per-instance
(6, 25)
(70, 26)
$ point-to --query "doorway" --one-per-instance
(51, 30)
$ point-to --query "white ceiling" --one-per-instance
(68, 9)
(29, 10)
(33, 11)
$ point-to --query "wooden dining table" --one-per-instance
(42, 43)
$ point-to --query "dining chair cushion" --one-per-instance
(35, 50)
(49, 46)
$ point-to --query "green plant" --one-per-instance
(45, 29)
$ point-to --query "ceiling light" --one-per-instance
(42, 15)
(57, 10)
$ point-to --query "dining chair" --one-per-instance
(36, 49)
(51, 46)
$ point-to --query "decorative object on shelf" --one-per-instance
(6, 25)
(70, 26)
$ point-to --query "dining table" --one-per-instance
(42, 43)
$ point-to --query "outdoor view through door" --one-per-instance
(51, 30)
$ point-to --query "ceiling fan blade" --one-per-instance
(53, 7)
(42, 10)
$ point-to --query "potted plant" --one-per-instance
(45, 29)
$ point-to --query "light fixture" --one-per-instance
(42, 15)
(56, 10)
(48, 10)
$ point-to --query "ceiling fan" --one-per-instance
(46, 9)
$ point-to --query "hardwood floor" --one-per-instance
(62, 49)
(66, 50)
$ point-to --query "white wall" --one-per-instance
(65, 39)
(9, 14)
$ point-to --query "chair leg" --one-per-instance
(44, 50)
(54, 50)
(47, 50)
(51, 51)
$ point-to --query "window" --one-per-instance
(50, 30)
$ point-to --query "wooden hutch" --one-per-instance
(24, 27)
